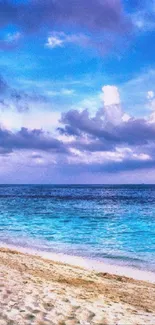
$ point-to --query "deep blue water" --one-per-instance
(109, 223)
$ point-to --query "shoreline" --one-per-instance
(88, 264)
(39, 291)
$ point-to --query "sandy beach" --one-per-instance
(38, 291)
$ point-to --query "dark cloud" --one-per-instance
(77, 123)
(127, 146)
(29, 140)
(132, 132)
(94, 14)
(36, 156)
(104, 168)
(124, 165)
(97, 146)
(136, 132)
(110, 167)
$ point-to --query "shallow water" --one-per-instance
(115, 224)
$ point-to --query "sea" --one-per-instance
(113, 224)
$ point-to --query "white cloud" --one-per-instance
(54, 41)
(112, 105)
(118, 155)
(126, 117)
(38, 118)
(141, 156)
(110, 99)
(59, 39)
(150, 94)
(110, 95)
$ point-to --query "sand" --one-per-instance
(38, 291)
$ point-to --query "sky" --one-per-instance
(77, 91)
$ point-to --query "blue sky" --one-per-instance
(77, 91)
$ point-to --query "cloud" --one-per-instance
(88, 144)
(150, 94)
(96, 14)
(131, 132)
(54, 41)
(60, 39)
(102, 41)
(38, 116)
(104, 24)
(110, 95)
(112, 107)
(115, 167)
(109, 142)
(26, 139)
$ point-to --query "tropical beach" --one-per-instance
(38, 291)
(77, 162)
(74, 255)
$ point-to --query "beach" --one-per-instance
(39, 291)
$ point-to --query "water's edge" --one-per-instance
(86, 263)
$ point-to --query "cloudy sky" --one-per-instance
(77, 91)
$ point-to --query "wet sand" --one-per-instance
(34, 290)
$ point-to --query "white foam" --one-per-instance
(89, 264)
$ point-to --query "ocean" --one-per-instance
(114, 224)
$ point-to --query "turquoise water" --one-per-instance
(115, 224)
